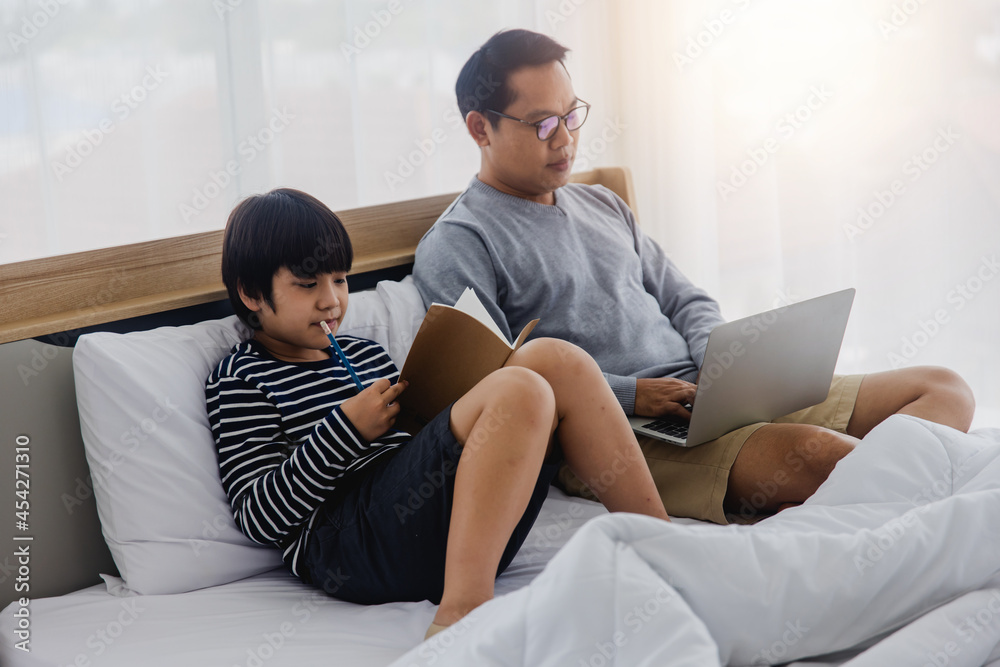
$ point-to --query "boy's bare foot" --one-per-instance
(451, 613)
(433, 630)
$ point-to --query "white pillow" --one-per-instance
(141, 398)
(406, 312)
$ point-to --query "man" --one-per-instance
(533, 245)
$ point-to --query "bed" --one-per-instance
(128, 553)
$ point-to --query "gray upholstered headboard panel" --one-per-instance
(38, 407)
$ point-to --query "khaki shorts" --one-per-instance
(692, 480)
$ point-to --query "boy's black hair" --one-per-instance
(482, 83)
(282, 228)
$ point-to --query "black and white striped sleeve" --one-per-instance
(271, 491)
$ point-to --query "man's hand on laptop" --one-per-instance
(658, 397)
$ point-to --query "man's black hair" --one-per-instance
(482, 83)
(282, 228)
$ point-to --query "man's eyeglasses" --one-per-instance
(546, 127)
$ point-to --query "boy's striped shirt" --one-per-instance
(283, 442)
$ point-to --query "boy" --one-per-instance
(313, 466)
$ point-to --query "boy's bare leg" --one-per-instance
(505, 424)
(594, 432)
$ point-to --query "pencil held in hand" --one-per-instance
(340, 353)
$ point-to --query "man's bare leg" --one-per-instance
(786, 463)
(932, 393)
(783, 464)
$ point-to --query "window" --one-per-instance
(126, 120)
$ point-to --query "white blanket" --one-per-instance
(899, 550)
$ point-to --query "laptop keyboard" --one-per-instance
(671, 427)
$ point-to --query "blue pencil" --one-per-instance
(343, 357)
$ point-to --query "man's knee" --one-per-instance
(949, 384)
(544, 351)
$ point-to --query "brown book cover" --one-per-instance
(455, 347)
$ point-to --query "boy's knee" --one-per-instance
(524, 391)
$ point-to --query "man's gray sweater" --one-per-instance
(584, 267)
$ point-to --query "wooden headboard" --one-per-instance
(67, 292)
(37, 395)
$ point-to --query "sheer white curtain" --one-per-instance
(784, 149)
(781, 149)
(128, 120)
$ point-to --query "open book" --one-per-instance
(455, 347)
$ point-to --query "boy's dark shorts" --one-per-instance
(382, 538)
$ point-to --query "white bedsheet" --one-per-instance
(271, 619)
(901, 545)
(679, 594)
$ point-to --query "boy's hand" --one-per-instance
(374, 410)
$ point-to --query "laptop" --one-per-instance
(759, 368)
